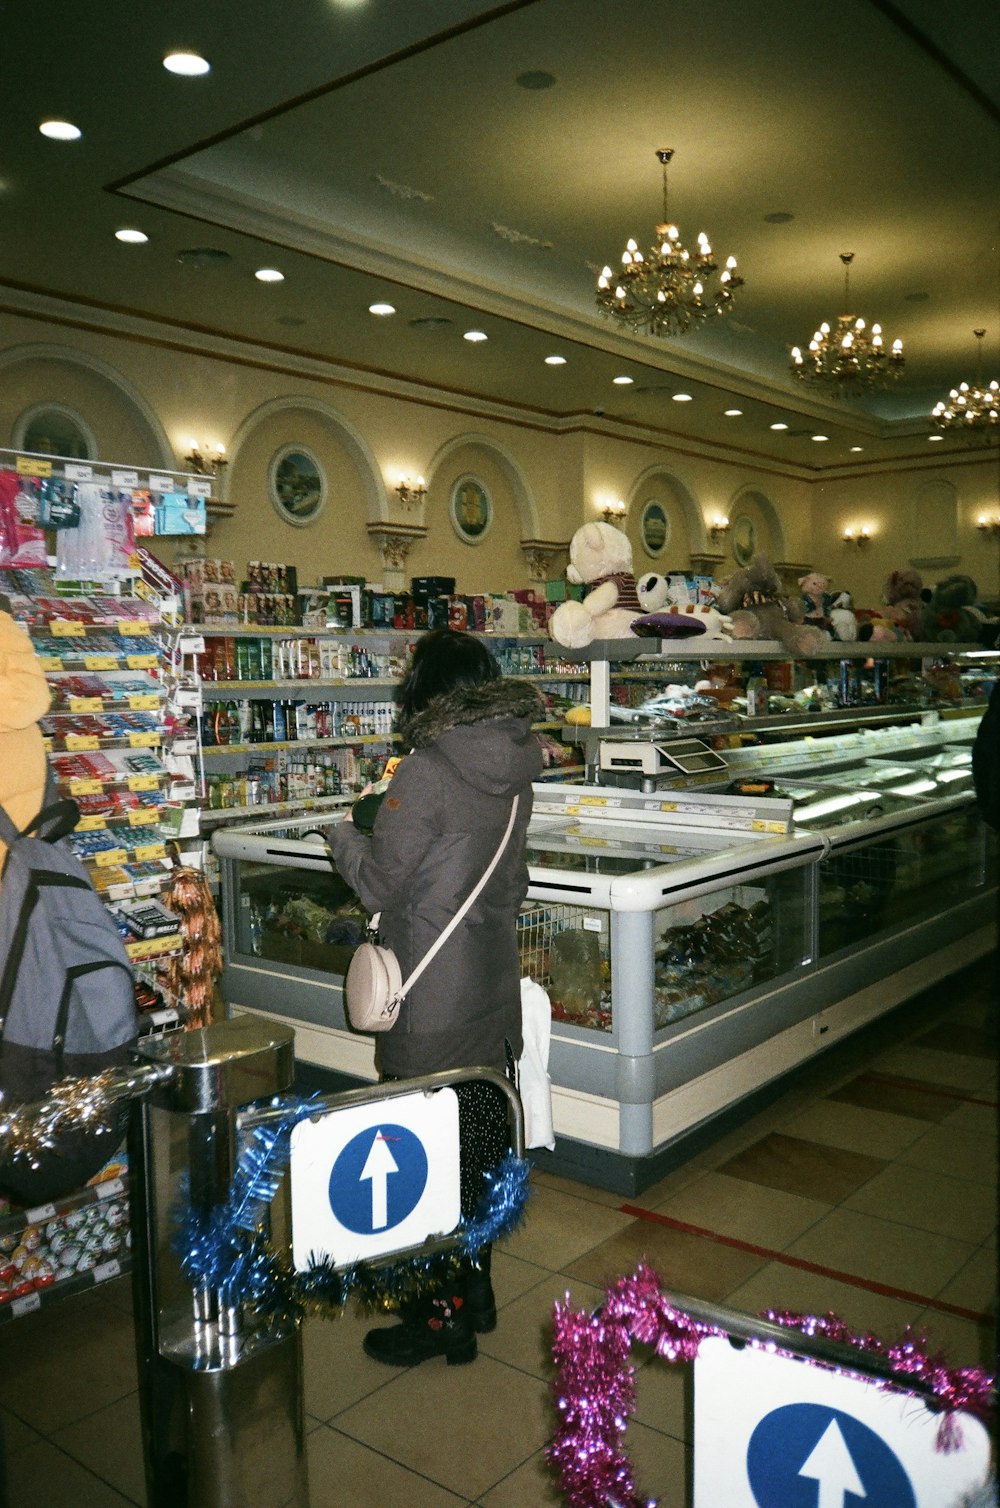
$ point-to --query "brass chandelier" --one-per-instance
(973, 411)
(851, 358)
(664, 291)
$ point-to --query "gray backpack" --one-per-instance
(67, 995)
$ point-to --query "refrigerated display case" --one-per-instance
(696, 944)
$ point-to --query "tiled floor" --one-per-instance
(868, 1189)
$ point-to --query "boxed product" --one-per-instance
(432, 586)
(505, 616)
(343, 604)
(562, 590)
(177, 513)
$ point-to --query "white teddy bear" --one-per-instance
(600, 557)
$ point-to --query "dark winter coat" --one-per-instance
(437, 829)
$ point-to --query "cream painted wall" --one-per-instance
(143, 398)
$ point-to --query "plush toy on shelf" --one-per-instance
(949, 617)
(753, 600)
(901, 595)
(843, 619)
(667, 617)
(600, 558)
(816, 599)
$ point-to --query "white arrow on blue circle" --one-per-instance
(378, 1165)
(830, 1464)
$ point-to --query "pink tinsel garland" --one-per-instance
(594, 1386)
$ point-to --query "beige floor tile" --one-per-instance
(466, 1428)
(545, 1180)
(109, 1443)
(878, 1092)
(337, 1372)
(67, 1361)
(978, 1120)
(343, 1474)
(41, 1474)
(661, 1464)
(974, 1286)
(929, 1201)
(532, 1484)
(877, 1133)
(864, 1246)
(664, 1396)
(797, 1165)
(960, 1342)
(747, 1211)
(671, 1183)
(523, 1337)
(934, 1066)
(789, 1288)
(560, 1227)
(684, 1263)
(952, 1152)
(511, 1278)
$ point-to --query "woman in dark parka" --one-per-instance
(438, 827)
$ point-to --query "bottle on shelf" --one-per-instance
(756, 690)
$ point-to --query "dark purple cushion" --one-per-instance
(667, 626)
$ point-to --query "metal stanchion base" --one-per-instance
(244, 1416)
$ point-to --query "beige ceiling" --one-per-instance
(379, 149)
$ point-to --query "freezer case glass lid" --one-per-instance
(602, 847)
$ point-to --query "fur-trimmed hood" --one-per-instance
(484, 731)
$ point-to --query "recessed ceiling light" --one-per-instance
(779, 426)
(555, 361)
(935, 439)
(188, 65)
(683, 398)
(732, 413)
(821, 437)
(269, 275)
(60, 130)
(857, 447)
(535, 79)
(475, 335)
(429, 322)
(131, 237)
(381, 308)
(623, 381)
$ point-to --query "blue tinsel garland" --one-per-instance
(225, 1248)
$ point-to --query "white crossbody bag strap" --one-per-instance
(444, 936)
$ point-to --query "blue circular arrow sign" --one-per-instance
(378, 1179)
(806, 1455)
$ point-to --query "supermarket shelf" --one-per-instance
(211, 689)
(212, 816)
(302, 744)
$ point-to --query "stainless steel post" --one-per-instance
(221, 1393)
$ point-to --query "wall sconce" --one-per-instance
(614, 513)
(988, 525)
(207, 458)
(718, 526)
(410, 494)
(857, 536)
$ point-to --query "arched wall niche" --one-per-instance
(934, 525)
(656, 490)
(337, 542)
(495, 561)
(755, 528)
(116, 417)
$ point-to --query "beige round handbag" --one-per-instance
(373, 985)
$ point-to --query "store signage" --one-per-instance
(161, 483)
(375, 1179)
(776, 1432)
(74, 472)
(124, 479)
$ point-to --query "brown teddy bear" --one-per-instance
(901, 595)
(752, 598)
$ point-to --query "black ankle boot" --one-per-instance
(436, 1326)
(480, 1302)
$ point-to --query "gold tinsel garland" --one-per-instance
(191, 977)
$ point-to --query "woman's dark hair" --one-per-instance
(444, 660)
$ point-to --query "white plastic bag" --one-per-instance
(533, 1067)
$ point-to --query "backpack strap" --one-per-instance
(60, 818)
